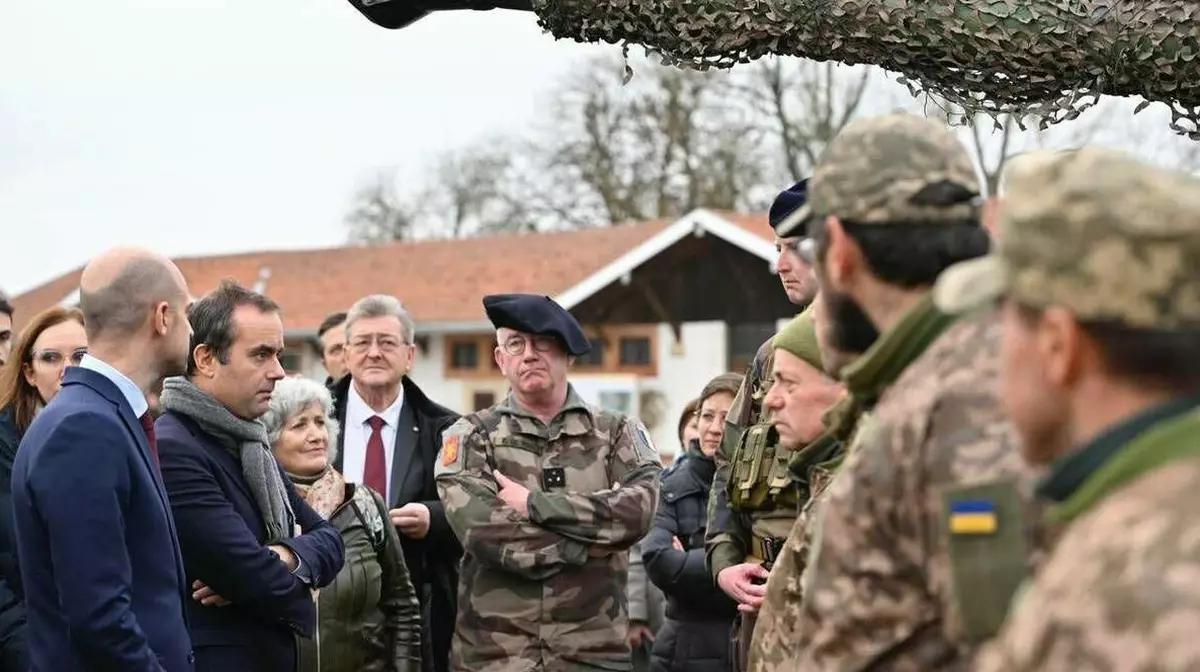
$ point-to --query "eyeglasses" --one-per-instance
(386, 344)
(515, 345)
(56, 358)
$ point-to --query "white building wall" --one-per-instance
(683, 370)
(428, 372)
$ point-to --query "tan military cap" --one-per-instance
(871, 170)
(1097, 232)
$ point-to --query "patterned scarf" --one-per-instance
(324, 492)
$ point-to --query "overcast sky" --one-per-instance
(200, 126)
(208, 126)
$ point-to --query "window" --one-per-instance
(464, 356)
(595, 358)
(744, 342)
(636, 351)
(482, 400)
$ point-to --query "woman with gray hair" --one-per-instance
(368, 619)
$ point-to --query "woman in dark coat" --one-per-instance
(695, 636)
(53, 340)
(368, 619)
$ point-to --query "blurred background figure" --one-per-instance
(369, 618)
(647, 604)
(51, 342)
(332, 334)
(699, 615)
(6, 328)
(688, 432)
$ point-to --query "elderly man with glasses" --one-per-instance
(390, 435)
(547, 494)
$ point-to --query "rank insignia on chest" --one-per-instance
(450, 450)
(973, 516)
(554, 477)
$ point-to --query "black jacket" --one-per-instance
(14, 650)
(432, 561)
(699, 614)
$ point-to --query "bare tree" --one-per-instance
(670, 141)
(611, 150)
(476, 190)
(379, 214)
(801, 105)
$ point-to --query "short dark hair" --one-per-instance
(330, 322)
(913, 253)
(122, 306)
(689, 412)
(910, 254)
(212, 319)
(726, 382)
(1155, 358)
(5, 306)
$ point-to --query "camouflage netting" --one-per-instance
(1047, 59)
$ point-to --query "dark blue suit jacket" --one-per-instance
(100, 561)
(223, 538)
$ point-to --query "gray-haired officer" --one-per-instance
(547, 493)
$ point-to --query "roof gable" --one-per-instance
(440, 282)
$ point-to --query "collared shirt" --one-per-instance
(1071, 471)
(129, 389)
(358, 433)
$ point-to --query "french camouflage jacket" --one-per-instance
(546, 591)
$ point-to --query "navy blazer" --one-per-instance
(100, 561)
(223, 538)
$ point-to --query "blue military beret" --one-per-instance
(536, 314)
(787, 202)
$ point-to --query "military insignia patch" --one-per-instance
(988, 545)
(451, 458)
(450, 450)
(643, 445)
(972, 516)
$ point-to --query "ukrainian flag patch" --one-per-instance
(973, 516)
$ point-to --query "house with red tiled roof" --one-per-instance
(668, 305)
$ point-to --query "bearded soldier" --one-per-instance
(1098, 276)
(547, 493)
(933, 493)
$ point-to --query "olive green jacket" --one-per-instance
(368, 619)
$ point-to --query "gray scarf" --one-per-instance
(247, 441)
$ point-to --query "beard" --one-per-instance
(850, 330)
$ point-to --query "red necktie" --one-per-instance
(375, 469)
(148, 426)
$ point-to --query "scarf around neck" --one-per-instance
(247, 441)
(324, 492)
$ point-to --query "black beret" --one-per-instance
(787, 202)
(536, 314)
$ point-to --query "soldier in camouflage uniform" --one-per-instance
(815, 461)
(1098, 273)
(933, 491)
(749, 515)
(547, 493)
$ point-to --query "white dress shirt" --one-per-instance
(129, 389)
(358, 433)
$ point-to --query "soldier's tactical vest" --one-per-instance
(759, 477)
